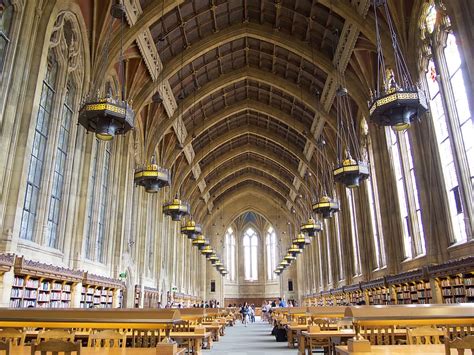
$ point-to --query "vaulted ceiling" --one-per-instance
(246, 88)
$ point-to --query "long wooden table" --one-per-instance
(324, 334)
(26, 350)
(398, 350)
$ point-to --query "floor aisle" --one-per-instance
(251, 340)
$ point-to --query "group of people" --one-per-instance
(267, 307)
(248, 313)
(203, 304)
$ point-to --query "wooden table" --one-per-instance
(343, 333)
(26, 350)
(292, 331)
(194, 339)
(398, 350)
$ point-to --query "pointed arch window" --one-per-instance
(354, 233)
(408, 198)
(6, 18)
(271, 253)
(38, 150)
(104, 197)
(60, 168)
(250, 244)
(452, 118)
(230, 252)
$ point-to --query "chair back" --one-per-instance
(323, 324)
(424, 336)
(460, 344)
(107, 339)
(5, 347)
(145, 338)
(56, 346)
(14, 335)
(57, 334)
(459, 330)
(379, 335)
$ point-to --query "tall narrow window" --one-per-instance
(6, 16)
(413, 238)
(91, 198)
(354, 234)
(101, 224)
(452, 119)
(230, 252)
(60, 169)
(40, 138)
(271, 253)
(377, 237)
(250, 243)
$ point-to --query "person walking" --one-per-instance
(245, 313)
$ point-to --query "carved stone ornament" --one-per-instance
(6, 262)
(97, 280)
(35, 268)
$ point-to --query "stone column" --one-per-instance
(5, 287)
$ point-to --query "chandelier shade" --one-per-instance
(200, 242)
(207, 251)
(152, 177)
(311, 227)
(326, 206)
(351, 172)
(191, 229)
(176, 209)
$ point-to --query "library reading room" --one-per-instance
(236, 177)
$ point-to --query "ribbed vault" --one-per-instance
(246, 90)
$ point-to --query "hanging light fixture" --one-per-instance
(102, 114)
(325, 205)
(396, 101)
(349, 171)
(224, 272)
(311, 227)
(191, 229)
(294, 250)
(152, 177)
(200, 242)
(207, 251)
(213, 258)
(300, 240)
(176, 209)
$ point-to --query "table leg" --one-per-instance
(209, 343)
(198, 346)
(301, 345)
(289, 333)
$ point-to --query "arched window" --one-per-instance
(354, 233)
(6, 17)
(451, 117)
(37, 159)
(250, 243)
(230, 252)
(271, 252)
(408, 198)
(48, 165)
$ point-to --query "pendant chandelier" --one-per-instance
(311, 227)
(102, 114)
(325, 205)
(152, 177)
(301, 241)
(207, 251)
(191, 229)
(214, 258)
(224, 272)
(200, 242)
(396, 101)
(294, 250)
(176, 209)
(349, 171)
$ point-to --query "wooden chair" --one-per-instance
(459, 330)
(107, 339)
(145, 338)
(323, 324)
(55, 347)
(460, 344)
(424, 336)
(379, 335)
(57, 334)
(5, 347)
(14, 335)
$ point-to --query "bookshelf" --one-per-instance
(42, 286)
(457, 288)
(99, 292)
